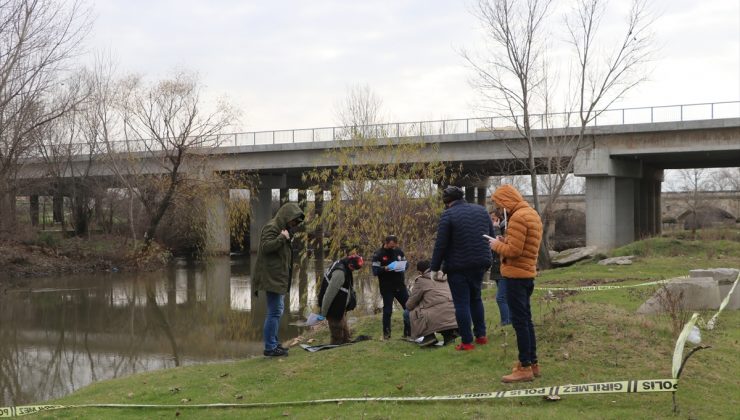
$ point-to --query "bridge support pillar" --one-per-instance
(261, 208)
(648, 208)
(611, 191)
(610, 216)
(58, 208)
(481, 195)
(34, 209)
(218, 238)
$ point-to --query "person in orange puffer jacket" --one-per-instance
(518, 251)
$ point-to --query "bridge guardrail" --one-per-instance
(619, 116)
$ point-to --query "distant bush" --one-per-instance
(48, 239)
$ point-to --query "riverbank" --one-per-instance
(50, 253)
(583, 338)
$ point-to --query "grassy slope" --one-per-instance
(588, 337)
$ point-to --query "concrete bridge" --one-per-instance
(623, 163)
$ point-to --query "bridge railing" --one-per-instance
(620, 116)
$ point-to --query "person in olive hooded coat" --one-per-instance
(273, 270)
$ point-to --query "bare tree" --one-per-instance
(693, 183)
(37, 40)
(515, 81)
(168, 120)
(360, 113)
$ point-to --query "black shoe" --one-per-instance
(276, 352)
(429, 340)
(449, 337)
(280, 346)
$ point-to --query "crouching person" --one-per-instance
(430, 308)
(337, 296)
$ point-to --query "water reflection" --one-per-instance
(65, 332)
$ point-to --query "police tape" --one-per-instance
(725, 301)
(594, 288)
(614, 387)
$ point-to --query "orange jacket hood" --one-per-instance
(507, 197)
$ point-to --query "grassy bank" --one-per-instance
(584, 337)
(35, 254)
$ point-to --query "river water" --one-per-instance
(62, 333)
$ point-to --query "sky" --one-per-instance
(288, 64)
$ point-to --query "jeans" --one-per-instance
(272, 320)
(518, 293)
(503, 306)
(465, 287)
(401, 295)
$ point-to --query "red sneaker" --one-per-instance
(481, 340)
(464, 347)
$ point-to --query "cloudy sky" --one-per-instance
(287, 64)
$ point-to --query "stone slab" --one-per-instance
(725, 278)
(696, 293)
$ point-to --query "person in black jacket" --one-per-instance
(466, 254)
(337, 296)
(392, 282)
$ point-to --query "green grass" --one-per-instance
(586, 337)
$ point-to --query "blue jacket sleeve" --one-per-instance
(441, 243)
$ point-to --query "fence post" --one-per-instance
(273, 137)
(651, 114)
(398, 131)
(236, 136)
(313, 135)
(333, 134)
(292, 133)
(444, 128)
(712, 108)
(467, 125)
(622, 116)
(681, 108)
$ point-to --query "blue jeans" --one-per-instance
(401, 295)
(272, 320)
(503, 306)
(465, 288)
(518, 293)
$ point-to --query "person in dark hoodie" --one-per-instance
(336, 296)
(273, 271)
(460, 245)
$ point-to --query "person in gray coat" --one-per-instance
(430, 308)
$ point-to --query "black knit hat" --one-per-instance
(452, 193)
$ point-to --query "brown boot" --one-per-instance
(536, 370)
(519, 374)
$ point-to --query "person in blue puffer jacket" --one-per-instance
(466, 255)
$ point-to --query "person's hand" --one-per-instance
(285, 233)
(492, 243)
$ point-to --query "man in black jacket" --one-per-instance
(392, 282)
(466, 255)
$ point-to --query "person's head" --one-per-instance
(423, 266)
(494, 215)
(452, 194)
(506, 197)
(355, 262)
(390, 242)
(297, 221)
